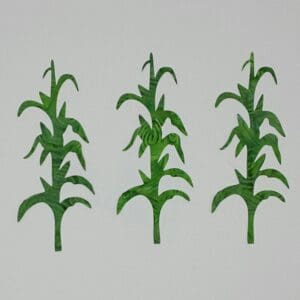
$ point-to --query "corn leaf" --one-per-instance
(263, 195)
(228, 95)
(68, 202)
(272, 141)
(169, 194)
(164, 160)
(30, 103)
(272, 173)
(163, 115)
(45, 184)
(264, 70)
(43, 156)
(174, 139)
(29, 202)
(239, 148)
(260, 103)
(77, 128)
(163, 71)
(238, 190)
(128, 195)
(144, 177)
(80, 180)
(260, 116)
(75, 147)
(45, 99)
(133, 138)
(65, 78)
(175, 172)
(34, 146)
(127, 97)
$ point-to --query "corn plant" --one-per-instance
(250, 137)
(52, 142)
(151, 137)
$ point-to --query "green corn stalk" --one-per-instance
(53, 145)
(250, 137)
(151, 136)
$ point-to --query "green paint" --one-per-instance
(250, 137)
(151, 136)
(53, 145)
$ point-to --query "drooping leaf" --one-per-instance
(260, 116)
(75, 147)
(45, 130)
(163, 71)
(174, 139)
(175, 172)
(228, 95)
(76, 179)
(77, 128)
(68, 202)
(29, 202)
(65, 78)
(128, 195)
(230, 138)
(163, 115)
(29, 103)
(169, 194)
(264, 70)
(272, 141)
(232, 190)
(127, 97)
(263, 195)
(272, 173)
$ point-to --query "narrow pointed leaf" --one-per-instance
(29, 103)
(163, 71)
(263, 195)
(80, 180)
(128, 195)
(228, 95)
(144, 177)
(75, 147)
(175, 172)
(272, 173)
(271, 140)
(34, 146)
(163, 115)
(77, 128)
(45, 184)
(169, 194)
(65, 78)
(164, 160)
(264, 70)
(174, 139)
(68, 202)
(29, 202)
(127, 97)
(271, 117)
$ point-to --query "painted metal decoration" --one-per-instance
(253, 141)
(150, 134)
(52, 142)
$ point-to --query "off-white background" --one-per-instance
(104, 44)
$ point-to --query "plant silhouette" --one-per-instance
(250, 137)
(53, 144)
(151, 137)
